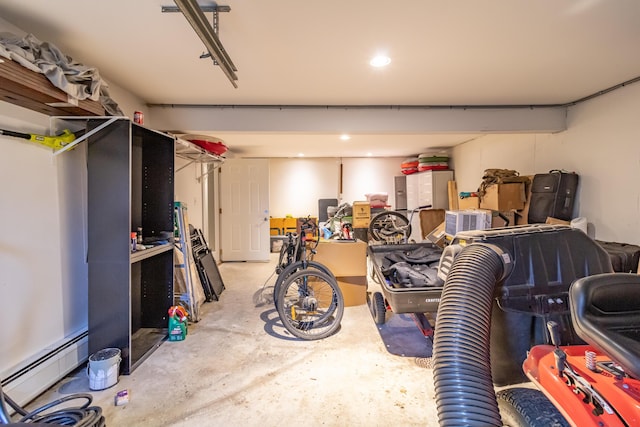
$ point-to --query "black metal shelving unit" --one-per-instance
(130, 179)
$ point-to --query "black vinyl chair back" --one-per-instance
(605, 310)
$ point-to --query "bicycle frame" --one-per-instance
(335, 225)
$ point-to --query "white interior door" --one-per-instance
(244, 204)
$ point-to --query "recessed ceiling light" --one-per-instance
(345, 137)
(380, 61)
(300, 154)
(369, 154)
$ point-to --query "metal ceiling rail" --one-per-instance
(194, 15)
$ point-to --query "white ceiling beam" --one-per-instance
(358, 119)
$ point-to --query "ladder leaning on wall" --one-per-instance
(188, 290)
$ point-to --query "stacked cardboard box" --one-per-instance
(347, 260)
(504, 197)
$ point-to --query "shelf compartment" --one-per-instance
(144, 342)
(138, 256)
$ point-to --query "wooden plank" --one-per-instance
(31, 90)
(452, 189)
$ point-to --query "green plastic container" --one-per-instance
(177, 329)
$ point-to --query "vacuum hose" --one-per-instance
(462, 366)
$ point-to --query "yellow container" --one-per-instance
(276, 226)
(289, 225)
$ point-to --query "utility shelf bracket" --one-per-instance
(193, 153)
(78, 140)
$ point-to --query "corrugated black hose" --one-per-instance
(462, 368)
(4, 415)
(82, 416)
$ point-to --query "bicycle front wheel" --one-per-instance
(291, 268)
(390, 227)
(310, 304)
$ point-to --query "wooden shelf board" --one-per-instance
(31, 90)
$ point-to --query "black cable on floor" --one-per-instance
(83, 416)
(4, 415)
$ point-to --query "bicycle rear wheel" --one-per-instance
(310, 304)
(389, 227)
(292, 268)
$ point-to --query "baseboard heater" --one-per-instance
(29, 380)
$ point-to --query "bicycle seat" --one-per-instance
(605, 309)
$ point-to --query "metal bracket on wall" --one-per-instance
(77, 141)
(193, 153)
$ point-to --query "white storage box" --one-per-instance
(470, 219)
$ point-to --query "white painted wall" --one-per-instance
(43, 271)
(297, 184)
(369, 175)
(600, 144)
(188, 190)
(38, 276)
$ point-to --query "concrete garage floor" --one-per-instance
(240, 367)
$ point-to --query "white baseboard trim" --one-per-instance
(45, 369)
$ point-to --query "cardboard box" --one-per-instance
(522, 217)
(347, 260)
(438, 236)
(471, 219)
(468, 203)
(504, 197)
(343, 257)
(361, 214)
(277, 242)
(354, 290)
(556, 221)
(503, 219)
(429, 220)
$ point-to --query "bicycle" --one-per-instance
(335, 227)
(392, 226)
(311, 304)
(306, 294)
(293, 255)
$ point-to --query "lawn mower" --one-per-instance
(596, 384)
(505, 303)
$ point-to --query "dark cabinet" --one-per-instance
(130, 184)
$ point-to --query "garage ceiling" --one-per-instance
(293, 52)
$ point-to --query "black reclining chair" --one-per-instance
(605, 310)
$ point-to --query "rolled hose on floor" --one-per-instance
(79, 416)
(4, 414)
(462, 371)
